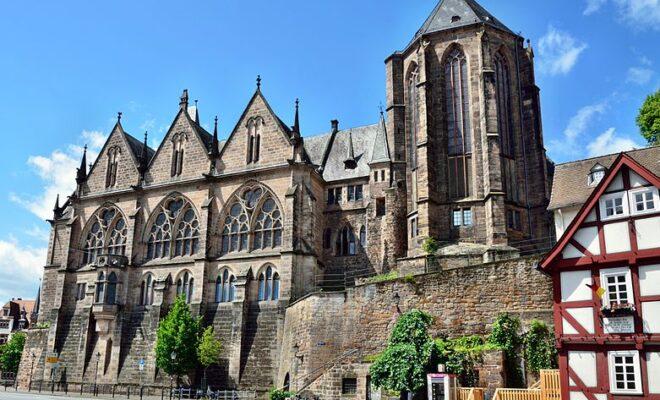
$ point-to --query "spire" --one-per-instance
(144, 156)
(81, 175)
(196, 116)
(296, 119)
(183, 104)
(350, 162)
(381, 150)
(57, 210)
(215, 151)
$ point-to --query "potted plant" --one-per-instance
(615, 309)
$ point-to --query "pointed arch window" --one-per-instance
(114, 154)
(106, 288)
(505, 128)
(147, 291)
(345, 243)
(363, 236)
(100, 287)
(254, 127)
(178, 141)
(106, 235)
(413, 116)
(225, 287)
(162, 241)
(269, 285)
(111, 295)
(184, 286)
(459, 129)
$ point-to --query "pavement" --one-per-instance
(11, 395)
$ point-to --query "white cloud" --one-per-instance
(576, 128)
(57, 172)
(559, 51)
(593, 6)
(639, 75)
(609, 142)
(20, 269)
(38, 232)
(640, 14)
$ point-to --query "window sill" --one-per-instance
(248, 254)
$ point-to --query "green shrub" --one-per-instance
(540, 352)
(278, 394)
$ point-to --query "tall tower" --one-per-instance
(464, 127)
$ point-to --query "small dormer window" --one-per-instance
(596, 174)
(455, 18)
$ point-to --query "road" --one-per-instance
(11, 395)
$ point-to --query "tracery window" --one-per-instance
(254, 127)
(253, 221)
(162, 241)
(178, 141)
(114, 154)
(457, 102)
(107, 234)
(225, 287)
(505, 129)
(269, 285)
(345, 243)
(184, 286)
(413, 116)
(147, 291)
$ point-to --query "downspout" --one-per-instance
(524, 146)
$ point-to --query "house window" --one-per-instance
(334, 196)
(345, 243)
(643, 201)
(363, 236)
(81, 288)
(456, 218)
(380, 206)
(596, 174)
(106, 289)
(414, 228)
(613, 206)
(354, 192)
(349, 386)
(382, 175)
(269, 285)
(467, 217)
(617, 284)
(462, 217)
(513, 220)
(225, 287)
(625, 374)
(375, 176)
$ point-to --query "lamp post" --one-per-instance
(31, 370)
(173, 357)
(96, 374)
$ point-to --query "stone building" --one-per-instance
(266, 229)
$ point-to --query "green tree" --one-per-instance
(178, 335)
(11, 353)
(403, 365)
(648, 119)
(540, 352)
(208, 350)
(506, 335)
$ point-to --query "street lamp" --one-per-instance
(96, 374)
(173, 357)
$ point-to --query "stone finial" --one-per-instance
(119, 113)
(183, 103)
(258, 82)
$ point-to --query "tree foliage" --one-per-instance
(648, 119)
(11, 353)
(178, 333)
(403, 365)
(506, 335)
(209, 348)
(278, 394)
(540, 352)
(461, 356)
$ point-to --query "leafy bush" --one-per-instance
(278, 394)
(42, 325)
(461, 356)
(430, 246)
(540, 352)
(388, 276)
(505, 335)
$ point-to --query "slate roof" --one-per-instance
(381, 150)
(469, 11)
(335, 169)
(136, 147)
(570, 186)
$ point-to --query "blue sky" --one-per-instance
(67, 67)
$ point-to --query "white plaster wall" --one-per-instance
(563, 218)
(571, 252)
(584, 316)
(636, 180)
(653, 367)
(574, 285)
(583, 363)
(591, 217)
(649, 280)
(588, 237)
(648, 233)
(617, 183)
(651, 316)
(617, 237)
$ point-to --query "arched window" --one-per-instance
(254, 203)
(268, 227)
(413, 115)
(107, 234)
(505, 128)
(111, 295)
(459, 131)
(269, 285)
(111, 170)
(327, 238)
(100, 288)
(363, 236)
(147, 291)
(225, 287)
(254, 127)
(175, 212)
(178, 141)
(345, 243)
(184, 286)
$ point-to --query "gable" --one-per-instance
(195, 153)
(621, 215)
(127, 173)
(275, 146)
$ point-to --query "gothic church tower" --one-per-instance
(465, 130)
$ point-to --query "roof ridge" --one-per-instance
(607, 155)
(316, 135)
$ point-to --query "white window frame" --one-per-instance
(605, 273)
(633, 203)
(624, 205)
(636, 364)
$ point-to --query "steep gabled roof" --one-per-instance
(381, 150)
(136, 147)
(622, 160)
(449, 14)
